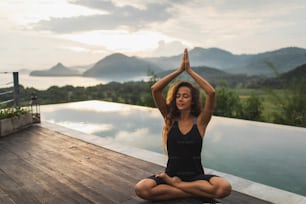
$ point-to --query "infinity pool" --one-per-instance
(271, 154)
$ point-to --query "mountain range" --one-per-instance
(283, 60)
(119, 66)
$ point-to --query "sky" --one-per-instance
(37, 34)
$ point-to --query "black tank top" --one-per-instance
(184, 153)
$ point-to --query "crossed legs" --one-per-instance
(216, 187)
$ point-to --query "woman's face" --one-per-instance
(183, 99)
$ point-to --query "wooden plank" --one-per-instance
(4, 197)
(93, 172)
(110, 161)
(74, 184)
(61, 170)
(117, 158)
(38, 183)
(15, 190)
(40, 165)
(237, 197)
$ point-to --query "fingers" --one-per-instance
(186, 53)
(186, 59)
(182, 66)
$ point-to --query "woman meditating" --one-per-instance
(183, 133)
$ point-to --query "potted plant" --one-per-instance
(14, 119)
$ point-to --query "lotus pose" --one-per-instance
(183, 133)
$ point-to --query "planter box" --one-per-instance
(12, 125)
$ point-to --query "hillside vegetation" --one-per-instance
(266, 104)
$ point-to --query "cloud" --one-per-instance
(238, 26)
(116, 17)
(193, 23)
(259, 7)
(168, 48)
(18, 49)
(140, 137)
(83, 31)
(119, 40)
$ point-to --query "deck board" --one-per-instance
(39, 165)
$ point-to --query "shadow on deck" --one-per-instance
(40, 165)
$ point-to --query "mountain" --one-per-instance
(285, 79)
(211, 57)
(58, 70)
(298, 73)
(216, 77)
(283, 60)
(208, 72)
(121, 67)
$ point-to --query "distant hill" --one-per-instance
(283, 80)
(208, 72)
(211, 57)
(250, 64)
(58, 70)
(283, 60)
(121, 67)
(216, 77)
(298, 73)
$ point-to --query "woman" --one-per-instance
(185, 125)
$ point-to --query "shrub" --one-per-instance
(12, 112)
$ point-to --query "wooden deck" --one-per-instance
(39, 165)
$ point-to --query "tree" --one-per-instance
(227, 104)
(252, 109)
(291, 105)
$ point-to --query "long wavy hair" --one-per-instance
(173, 112)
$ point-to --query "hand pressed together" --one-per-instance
(185, 65)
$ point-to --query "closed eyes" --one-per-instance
(184, 95)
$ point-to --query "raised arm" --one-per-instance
(158, 87)
(205, 115)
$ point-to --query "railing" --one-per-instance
(10, 94)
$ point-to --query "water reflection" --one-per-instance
(265, 153)
(132, 125)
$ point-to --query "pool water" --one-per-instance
(270, 154)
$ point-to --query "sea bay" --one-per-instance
(44, 82)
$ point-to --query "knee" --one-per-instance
(224, 190)
(143, 191)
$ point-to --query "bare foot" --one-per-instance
(169, 180)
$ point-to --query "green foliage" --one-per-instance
(12, 112)
(136, 93)
(252, 109)
(290, 106)
(227, 103)
(283, 106)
